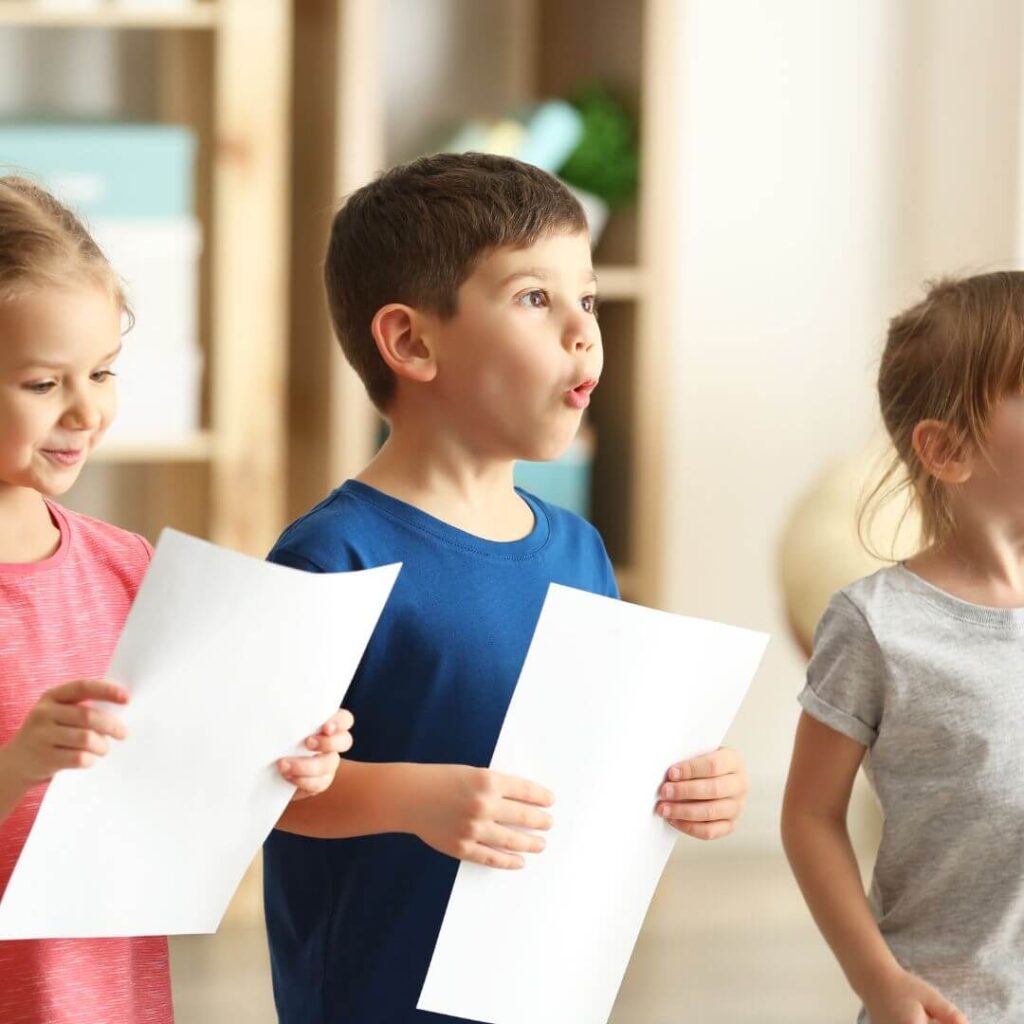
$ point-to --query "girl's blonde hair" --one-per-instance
(950, 358)
(43, 243)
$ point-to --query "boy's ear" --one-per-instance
(398, 331)
(942, 453)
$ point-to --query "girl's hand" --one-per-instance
(704, 797)
(63, 731)
(314, 774)
(902, 998)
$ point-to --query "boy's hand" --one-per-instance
(477, 815)
(704, 797)
(312, 775)
(63, 731)
(902, 998)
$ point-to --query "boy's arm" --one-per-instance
(817, 843)
(469, 813)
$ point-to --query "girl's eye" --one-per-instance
(536, 299)
(41, 387)
(101, 375)
(589, 304)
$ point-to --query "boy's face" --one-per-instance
(518, 360)
(57, 394)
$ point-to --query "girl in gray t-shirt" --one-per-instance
(918, 672)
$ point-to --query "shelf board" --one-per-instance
(33, 15)
(615, 283)
(194, 449)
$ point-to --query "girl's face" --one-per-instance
(57, 396)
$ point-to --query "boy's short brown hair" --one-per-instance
(415, 234)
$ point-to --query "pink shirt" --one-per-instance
(59, 620)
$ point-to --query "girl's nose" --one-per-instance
(83, 413)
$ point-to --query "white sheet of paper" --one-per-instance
(231, 662)
(610, 695)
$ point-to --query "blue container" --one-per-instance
(564, 482)
(106, 171)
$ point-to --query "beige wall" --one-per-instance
(831, 156)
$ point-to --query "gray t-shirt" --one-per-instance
(934, 687)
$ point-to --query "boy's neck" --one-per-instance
(441, 477)
(981, 562)
(27, 532)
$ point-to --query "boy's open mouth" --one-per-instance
(579, 396)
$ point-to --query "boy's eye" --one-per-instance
(41, 387)
(589, 304)
(101, 375)
(536, 299)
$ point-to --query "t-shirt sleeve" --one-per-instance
(846, 676)
(610, 586)
(294, 560)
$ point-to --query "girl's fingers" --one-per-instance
(79, 739)
(82, 717)
(705, 830)
(62, 759)
(88, 689)
(702, 810)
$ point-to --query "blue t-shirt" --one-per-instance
(353, 922)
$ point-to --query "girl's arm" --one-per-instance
(816, 841)
(12, 786)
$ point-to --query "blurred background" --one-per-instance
(766, 182)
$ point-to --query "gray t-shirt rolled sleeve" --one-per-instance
(846, 677)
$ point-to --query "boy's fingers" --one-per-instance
(707, 766)
(308, 767)
(491, 858)
(512, 812)
(340, 721)
(85, 717)
(717, 788)
(88, 689)
(339, 743)
(704, 830)
(500, 838)
(702, 810)
(514, 788)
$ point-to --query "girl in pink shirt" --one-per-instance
(66, 584)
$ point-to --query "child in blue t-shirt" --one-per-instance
(462, 290)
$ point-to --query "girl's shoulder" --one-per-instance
(93, 541)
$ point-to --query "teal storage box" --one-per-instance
(106, 171)
(565, 481)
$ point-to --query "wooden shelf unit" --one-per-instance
(223, 68)
(33, 15)
(342, 114)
